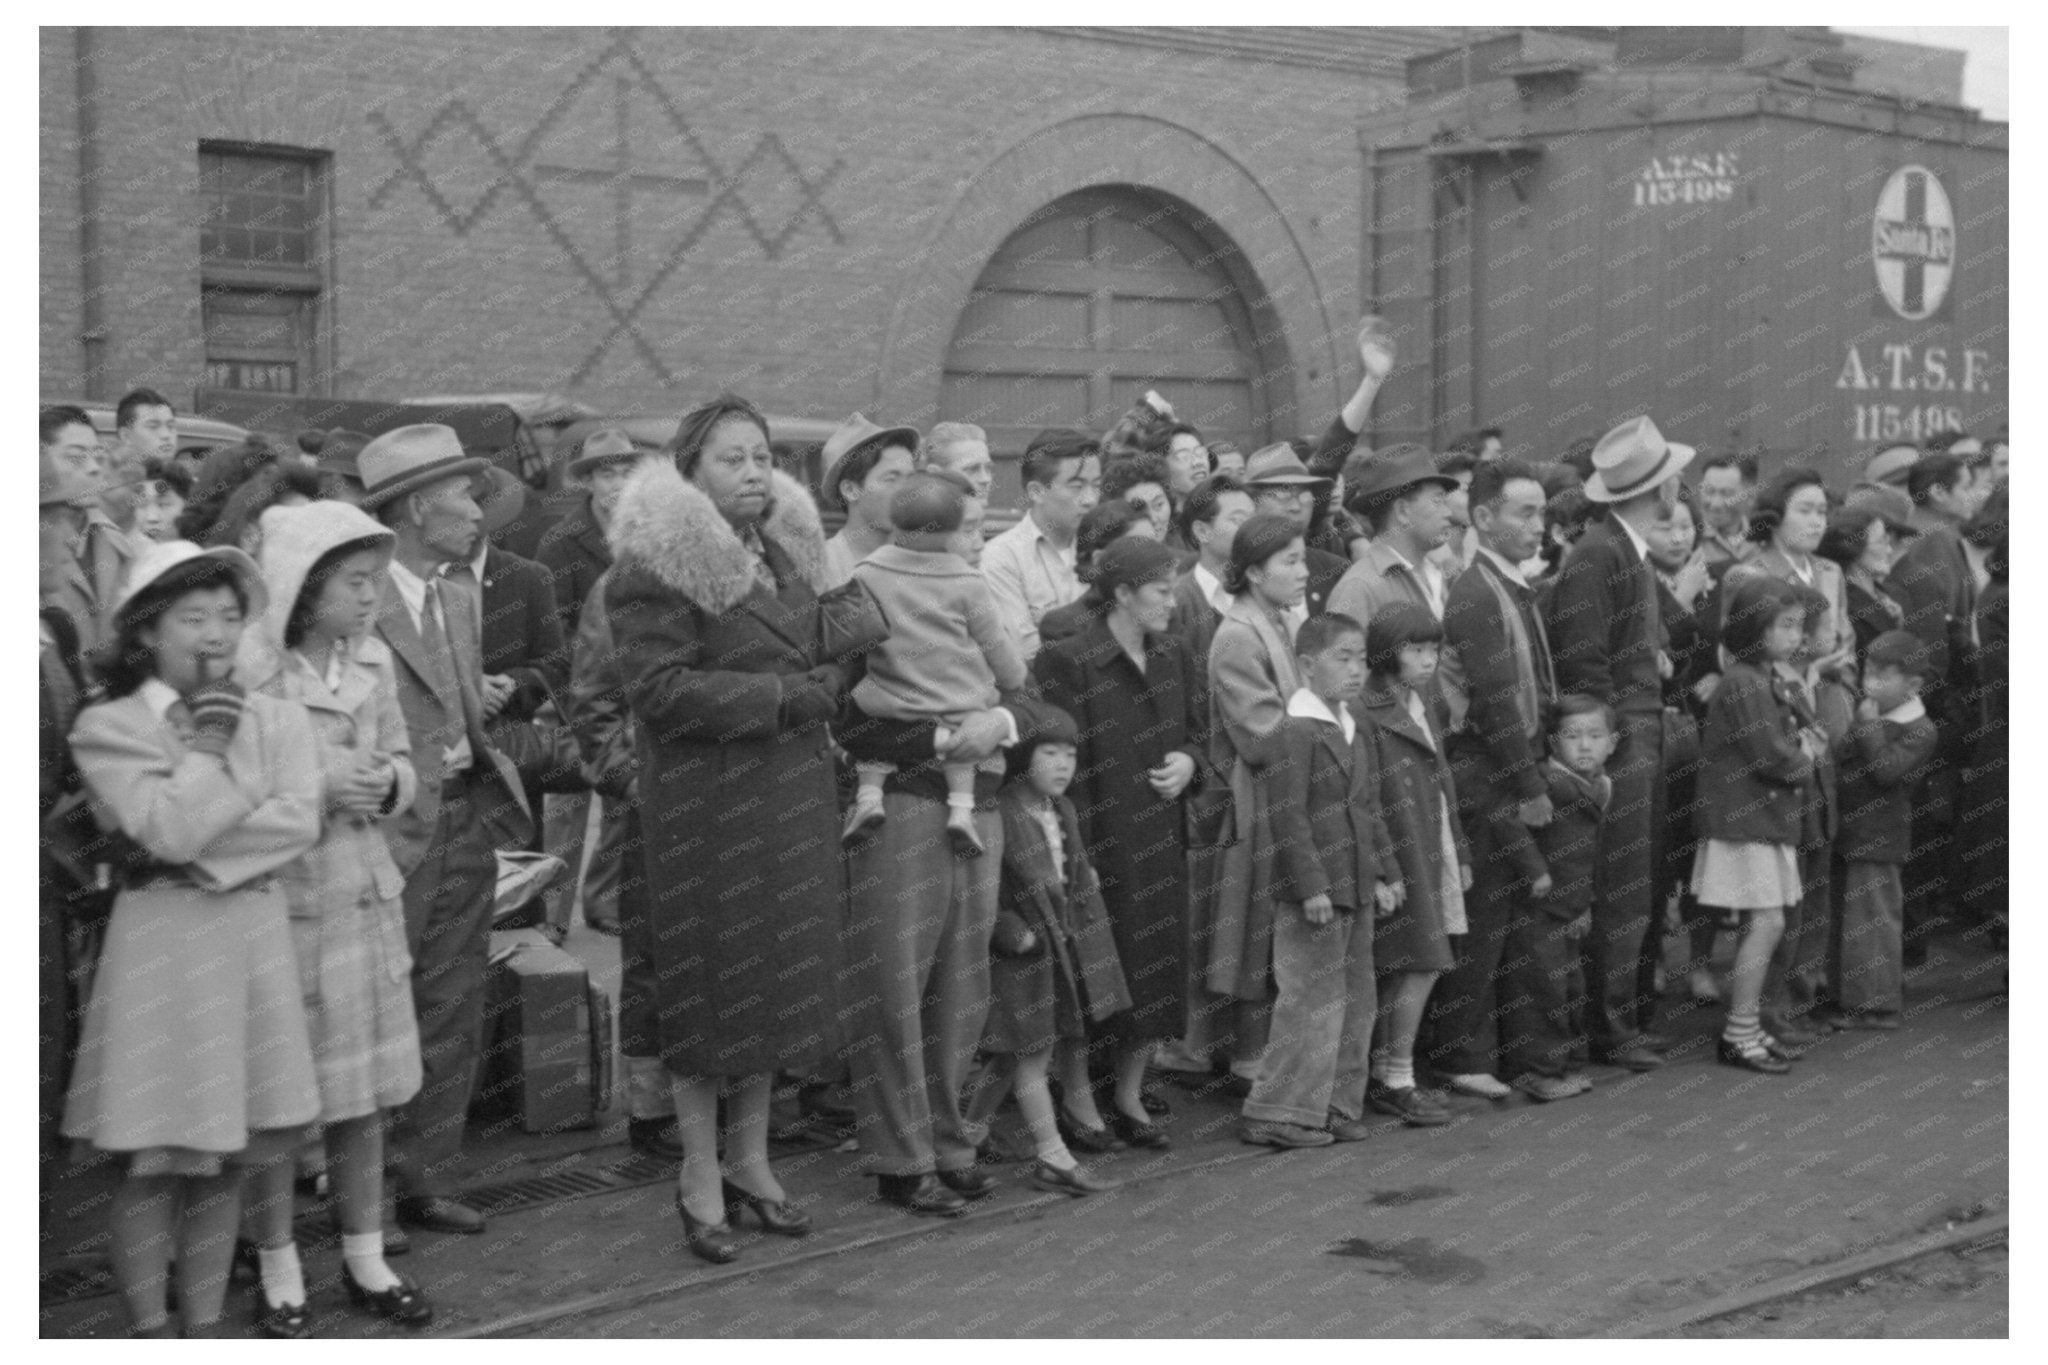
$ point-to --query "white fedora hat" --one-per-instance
(1634, 458)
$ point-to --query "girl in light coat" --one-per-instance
(324, 564)
(194, 1058)
(1252, 673)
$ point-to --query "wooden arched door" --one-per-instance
(1095, 298)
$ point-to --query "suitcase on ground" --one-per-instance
(548, 1038)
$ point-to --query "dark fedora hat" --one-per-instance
(1391, 472)
(609, 445)
(339, 450)
(500, 496)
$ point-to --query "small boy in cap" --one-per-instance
(1886, 754)
(946, 654)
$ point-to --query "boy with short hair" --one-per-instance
(1328, 880)
(1543, 1028)
(946, 654)
(1884, 758)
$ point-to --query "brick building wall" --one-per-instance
(805, 210)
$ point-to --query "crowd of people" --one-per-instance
(1342, 780)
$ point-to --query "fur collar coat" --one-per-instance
(738, 802)
(669, 527)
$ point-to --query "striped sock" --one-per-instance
(1743, 1031)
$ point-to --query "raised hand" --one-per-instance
(1376, 348)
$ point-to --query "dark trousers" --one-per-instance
(1629, 847)
(448, 902)
(639, 1034)
(1461, 1027)
(1982, 820)
(1868, 978)
(1542, 994)
(1932, 876)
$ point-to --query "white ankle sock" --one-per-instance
(1055, 1154)
(1400, 1073)
(363, 1253)
(283, 1282)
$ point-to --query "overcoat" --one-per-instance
(1326, 812)
(343, 894)
(522, 635)
(1194, 616)
(1129, 722)
(1754, 777)
(737, 796)
(1072, 976)
(1415, 794)
(1603, 621)
(575, 554)
(195, 1035)
(1251, 676)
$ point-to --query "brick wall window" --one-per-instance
(263, 258)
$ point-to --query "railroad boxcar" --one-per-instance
(1719, 227)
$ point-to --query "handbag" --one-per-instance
(543, 750)
(850, 623)
(1208, 813)
(1681, 743)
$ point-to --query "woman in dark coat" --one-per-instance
(1864, 542)
(1128, 683)
(713, 604)
(1685, 595)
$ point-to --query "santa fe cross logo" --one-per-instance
(1913, 242)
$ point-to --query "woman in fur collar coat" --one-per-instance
(714, 608)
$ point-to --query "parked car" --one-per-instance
(197, 436)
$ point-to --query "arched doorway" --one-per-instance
(1094, 298)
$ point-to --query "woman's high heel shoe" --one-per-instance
(713, 1242)
(1137, 1133)
(777, 1216)
(1091, 1140)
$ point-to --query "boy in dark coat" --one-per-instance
(1329, 838)
(1543, 1015)
(1887, 753)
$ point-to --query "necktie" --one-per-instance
(465, 573)
(434, 633)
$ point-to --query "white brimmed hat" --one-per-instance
(163, 556)
(1634, 458)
